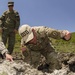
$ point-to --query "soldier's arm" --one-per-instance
(50, 32)
(2, 19)
(17, 21)
(3, 16)
(3, 49)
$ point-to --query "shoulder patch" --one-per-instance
(54, 33)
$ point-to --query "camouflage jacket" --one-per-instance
(43, 34)
(10, 20)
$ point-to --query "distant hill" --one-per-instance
(59, 45)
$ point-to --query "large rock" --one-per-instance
(18, 67)
(13, 68)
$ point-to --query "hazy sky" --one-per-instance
(58, 14)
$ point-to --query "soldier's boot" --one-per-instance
(54, 66)
(44, 67)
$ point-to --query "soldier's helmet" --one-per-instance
(25, 31)
(10, 3)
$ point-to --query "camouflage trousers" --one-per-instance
(8, 38)
(33, 57)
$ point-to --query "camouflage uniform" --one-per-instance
(43, 47)
(10, 21)
(3, 49)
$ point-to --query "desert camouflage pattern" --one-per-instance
(43, 47)
(3, 49)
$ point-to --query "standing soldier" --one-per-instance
(36, 40)
(10, 21)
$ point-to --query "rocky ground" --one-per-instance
(18, 67)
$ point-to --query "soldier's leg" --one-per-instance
(4, 36)
(27, 56)
(4, 39)
(35, 58)
(53, 61)
(52, 58)
(11, 42)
